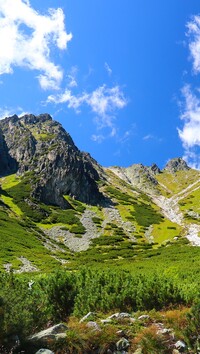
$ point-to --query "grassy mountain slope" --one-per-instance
(129, 224)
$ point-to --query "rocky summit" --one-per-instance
(40, 145)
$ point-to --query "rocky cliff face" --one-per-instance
(177, 164)
(139, 176)
(7, 164)
(40, 145)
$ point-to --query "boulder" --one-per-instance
(94, 325)
(89, 315)
(122, 344)
(143, 317)
(44, 351)
(181, 346)
(54, 333)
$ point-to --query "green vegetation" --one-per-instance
(190, 206)
(165, 231)
(19, 238)
(120, 271)
(178, 181)
(168, 279)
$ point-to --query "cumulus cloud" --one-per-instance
(104, 102)
(194, 41)
(26, 39)
(8, 112)
(190, 133)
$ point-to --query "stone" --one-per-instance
(143, 317)
(124, 315)
(164, 331)
(107, 320)
(181, 346)
(49, 152)
(122, 344)
(177, 164)
(89, 314)
(114, 315)
(94, 325)
(53, 333)
(119, 315)
(120, 333)
(44, 351)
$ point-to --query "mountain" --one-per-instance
(39, 145)
(58, 206)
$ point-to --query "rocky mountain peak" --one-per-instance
(176, 164)
(40, 145)
(154, 169)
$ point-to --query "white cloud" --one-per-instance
(148, 137)
(98, 138)
(103, 101)
(27, 37)
(194, 41)
(108, 69)
(190, 133)
(8, 112)
(72, 82)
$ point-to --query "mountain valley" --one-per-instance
(93, 239)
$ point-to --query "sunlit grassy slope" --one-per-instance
(178, 181)
(22, 223)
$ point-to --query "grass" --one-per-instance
(165, 231)
(13, 207)
(9, 181)
(191, 203)
(18, 240)
(178, 181)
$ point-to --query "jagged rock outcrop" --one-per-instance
(8, 165)
(40, 145)
(139, 176)
(177, 164)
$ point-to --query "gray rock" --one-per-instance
(122, 344)
(180, 345)
(177, 164)
(139, 176)
(94, 325)
(119, 315)
(120, 333)
(39, 144)
(89, 314)
(143, 317)
(44, 351)
(54, 333)
(124, 315)
(114, 315)
(107, 320)
(165, 331)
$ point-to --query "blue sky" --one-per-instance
(122, 76)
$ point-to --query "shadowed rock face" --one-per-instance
(177, 164)
(8, 165)
(39, 144)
